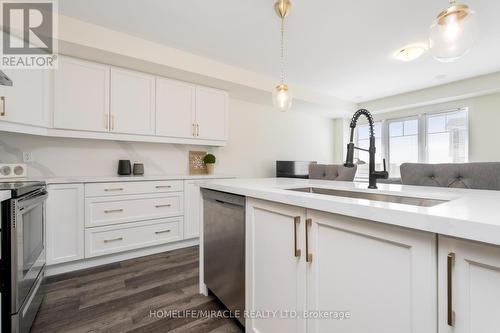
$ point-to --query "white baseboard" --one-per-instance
(93, 262)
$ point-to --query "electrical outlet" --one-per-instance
(27, 156)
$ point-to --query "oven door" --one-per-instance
(27, 244)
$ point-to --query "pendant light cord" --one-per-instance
(282, 50)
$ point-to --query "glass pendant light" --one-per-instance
(282, 98)
(453, 32)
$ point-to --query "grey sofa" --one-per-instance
(332, 172)
(485, 176)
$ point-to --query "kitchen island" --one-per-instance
(410, 259)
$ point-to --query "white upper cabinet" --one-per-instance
(132, 102)
(469, 286)
(211, 114)
(25, 101)
(81, 95)
(175, 108)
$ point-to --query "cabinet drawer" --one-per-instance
(113, 239)
(120, 209)
(125, 188)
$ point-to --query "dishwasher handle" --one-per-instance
(223, 198)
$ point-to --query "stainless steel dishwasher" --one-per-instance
(224, 248)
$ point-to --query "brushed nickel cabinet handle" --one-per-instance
(165, 205)
(309, 256)
(113, 240)
(161, 232)
(197, 129)
(194, 129)
(112, 122)
(296, 223)
(2, 99)
(113, 211)
(450, 312)
(113, 189)
(163, 186)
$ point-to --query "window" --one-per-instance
(403, 144)
(447, 137)
(364, 142)
(427, 138)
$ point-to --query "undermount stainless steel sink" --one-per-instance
(422, 202)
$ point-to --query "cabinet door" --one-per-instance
(81, 95)
(192, 209)
(474, 278)
(25, 101)
(384, 276)
(175, 108)
(211, 114)
(65, 223)
(132, 102)
(275, 272)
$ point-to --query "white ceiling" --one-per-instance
(341, 48)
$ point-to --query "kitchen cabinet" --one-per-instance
(108, 210)
(65, 223)
(211, 114)
(81, 95)
(275, 266)
(382, 278)
(26, 101)
(385, 276)
(469, 286)
(132, 102)
(131, 236)
(192, 209)
(175, 108)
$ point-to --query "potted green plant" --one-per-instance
(209, 161)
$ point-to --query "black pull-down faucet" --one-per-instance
(374, 175)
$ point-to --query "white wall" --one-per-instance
(259, 135)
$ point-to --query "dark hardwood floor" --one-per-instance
(120, 297)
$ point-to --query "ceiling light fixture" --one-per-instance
(410, 52)
(453, 32)
(282, 98)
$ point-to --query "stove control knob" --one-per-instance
(6, 170)
(18, 170)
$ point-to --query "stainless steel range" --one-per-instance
(23, 254)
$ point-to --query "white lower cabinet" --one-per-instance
(100, 211)
(469, 286)
(65, 223)
(192, 209)
(382, 277)
(113, 239)
(275, 271)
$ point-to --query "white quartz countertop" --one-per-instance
(468, 214)
(4, 195)
(110, 179)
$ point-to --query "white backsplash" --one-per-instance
(57, 157)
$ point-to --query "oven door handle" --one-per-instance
(28, 203)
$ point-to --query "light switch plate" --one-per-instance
(17, 170)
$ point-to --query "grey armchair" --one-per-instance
(332, 172)
(484, 176)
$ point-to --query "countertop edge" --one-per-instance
(447, 226)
